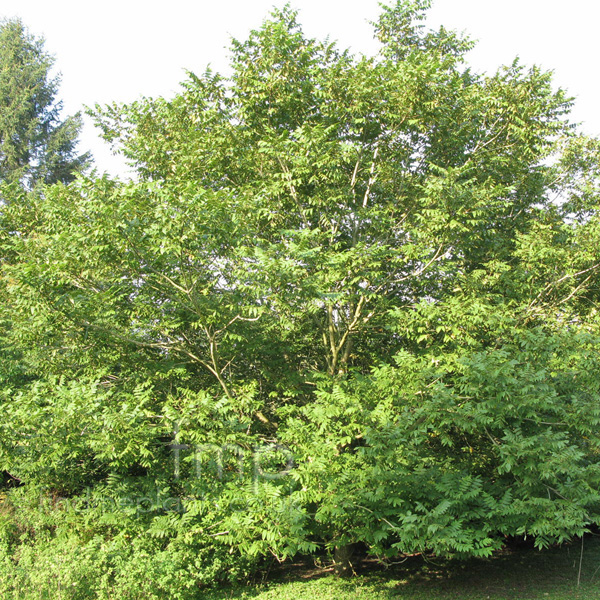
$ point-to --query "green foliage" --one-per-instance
(75, 555)
(35, 145)
(340, 305)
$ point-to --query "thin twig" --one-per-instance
(580, 563)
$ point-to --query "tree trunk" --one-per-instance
(341, 558)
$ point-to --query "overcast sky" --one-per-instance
(119, 50)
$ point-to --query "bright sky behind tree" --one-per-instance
(119, 50)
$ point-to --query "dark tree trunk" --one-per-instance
(341, 557)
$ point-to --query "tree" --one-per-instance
(35, 144)
(357, 259)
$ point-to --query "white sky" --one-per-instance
(119, 50)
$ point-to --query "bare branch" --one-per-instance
(372, 178)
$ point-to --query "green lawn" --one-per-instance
(518, 574)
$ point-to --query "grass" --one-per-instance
(518, 574)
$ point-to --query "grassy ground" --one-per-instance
(517, 574)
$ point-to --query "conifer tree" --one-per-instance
(36, 145)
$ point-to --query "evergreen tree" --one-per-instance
(35, 144)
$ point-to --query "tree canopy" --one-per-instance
(348, 300)
(35, 144)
